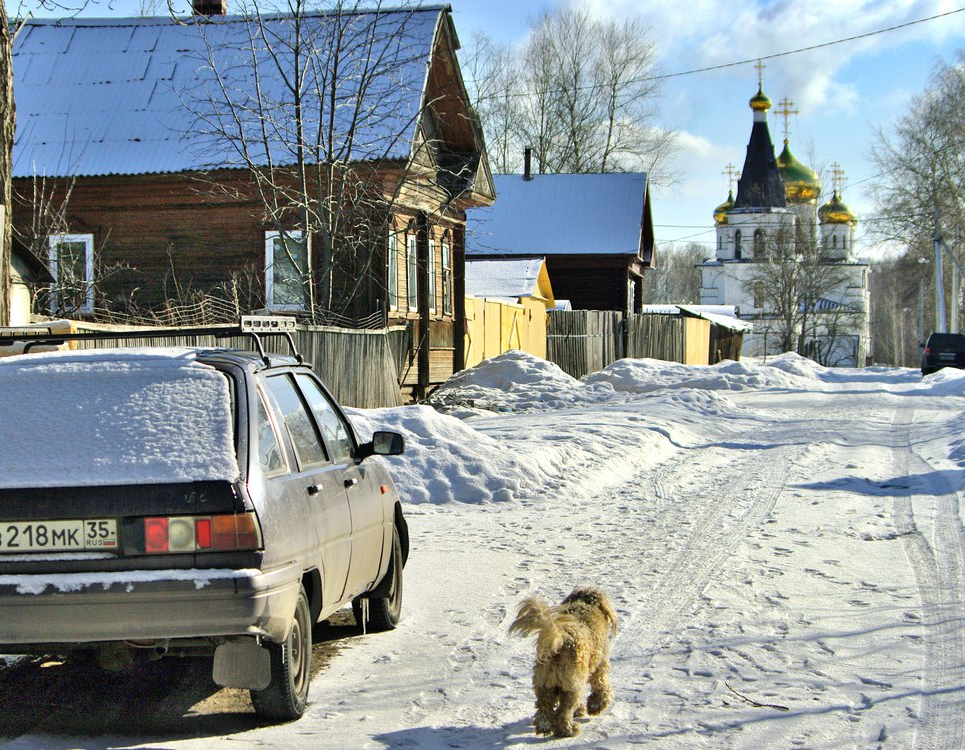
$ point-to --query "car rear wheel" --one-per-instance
(291, 661)
(384, 612)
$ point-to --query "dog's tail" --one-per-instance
(536, 617)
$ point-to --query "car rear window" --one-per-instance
(111, 417)
(948, 342)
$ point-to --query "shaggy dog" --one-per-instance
(572, 650)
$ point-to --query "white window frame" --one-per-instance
(412, 273)
(270, 237)
(446, 278)
(432, 276)
(54, 241)
(393, 269)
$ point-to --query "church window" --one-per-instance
(758, 243)
(737, 244)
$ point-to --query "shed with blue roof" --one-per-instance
(594, 230)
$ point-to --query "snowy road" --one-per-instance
(784, 545)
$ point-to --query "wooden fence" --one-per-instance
(585, 341)
(656, 336)
(360, 367)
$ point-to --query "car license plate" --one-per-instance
(58, 536)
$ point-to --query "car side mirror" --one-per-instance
(383, 443)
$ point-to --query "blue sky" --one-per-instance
(842, 92)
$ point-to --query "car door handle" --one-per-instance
(351, 482)
(312, 489)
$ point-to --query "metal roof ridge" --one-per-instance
(121, 21)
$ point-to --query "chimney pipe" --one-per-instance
(209, 7)
(528, 164)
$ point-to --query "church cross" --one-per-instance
(732, 174)
(786, 111)
(760, 73)
(837, 177)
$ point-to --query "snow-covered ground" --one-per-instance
(784, 544)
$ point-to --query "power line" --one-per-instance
(758, 58)
(802, 49)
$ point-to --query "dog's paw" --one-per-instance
(566, 729)
(597, 704)
(542, 725)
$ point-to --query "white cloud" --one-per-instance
(714, 33)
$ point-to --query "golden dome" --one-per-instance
(759, 102)
(835, 211)
(801, 183)
(720, 213)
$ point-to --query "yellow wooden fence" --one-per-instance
(495, 326)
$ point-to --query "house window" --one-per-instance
(412, 273)
(393, 271)
(432, 276)
(72, 266)
(446, 279)
(286, 270)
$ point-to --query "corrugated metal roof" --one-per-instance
(721, 315)
(560, 214)
(514, 278)
(136, 96)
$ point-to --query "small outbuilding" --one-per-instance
(710, 333)
(506, 304)
(594, 230)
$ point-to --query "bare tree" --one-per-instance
(795, 288)
(493, 70)
(7, 132)
(676, 280)
(922, 187)
(581, 93)
(310, 105)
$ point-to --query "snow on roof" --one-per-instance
(722, 315)
(134, 95)
(555, 214)
(513, 278)
(113, 416)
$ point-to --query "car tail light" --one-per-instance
(173, 534)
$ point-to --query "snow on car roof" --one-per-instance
(115, 416)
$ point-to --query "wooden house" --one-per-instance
(595, 231)
(237, 159)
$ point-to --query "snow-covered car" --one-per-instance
(943, 350)
(190, 501)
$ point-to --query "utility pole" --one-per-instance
(939, 280)
(956, 284)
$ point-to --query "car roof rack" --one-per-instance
(253, 326)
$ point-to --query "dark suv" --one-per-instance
(190, 501)
(943, 350)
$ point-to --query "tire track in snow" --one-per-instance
(723, 504)
(750, 486)
(938, 570)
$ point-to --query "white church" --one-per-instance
(775, 215)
